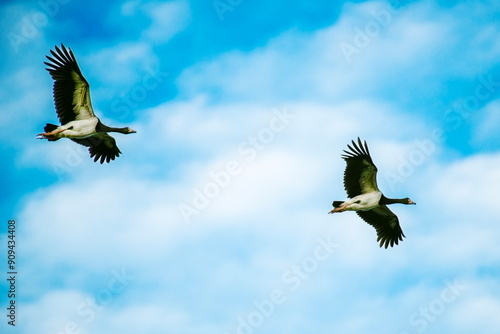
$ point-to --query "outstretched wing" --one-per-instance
(360, 175)
(101, 146)
(386, 223)
(71, 90)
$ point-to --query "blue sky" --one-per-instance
(214, 219)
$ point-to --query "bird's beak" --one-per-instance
(411, 202)
(132, 131)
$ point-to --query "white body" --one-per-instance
(78, 129)
(363, 202)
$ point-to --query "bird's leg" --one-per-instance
(48, 134)
(337, 210)
(340, 208)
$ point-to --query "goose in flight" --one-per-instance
(74, 109)
(360, 183)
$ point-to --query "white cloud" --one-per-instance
(30, 104)
(267, 211)
(312, 66)
(130, 8)
(96, 216)
(487, 123)
(168, 19)
(54, 312)
(275, 209)
(479, 309)
(468, 184)
(118, 66)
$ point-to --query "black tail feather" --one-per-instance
(336, 204)
(50, 127)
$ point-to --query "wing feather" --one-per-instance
(101, 147)
(360, 175)
(71, 90)
(386, 223)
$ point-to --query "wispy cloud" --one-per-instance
(168, 19)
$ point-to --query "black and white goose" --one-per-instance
(360, 183)
(74, 109)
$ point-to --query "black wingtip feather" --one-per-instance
(356, 149)
(359, 148)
